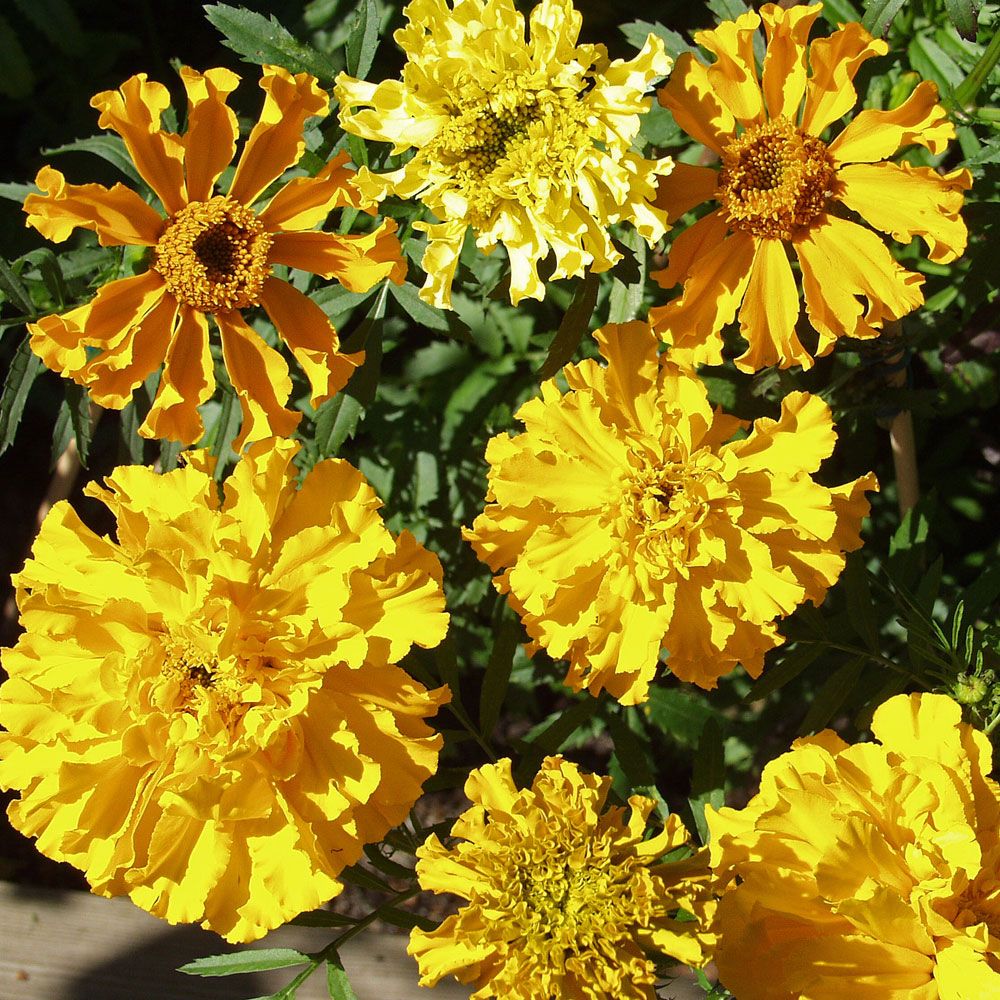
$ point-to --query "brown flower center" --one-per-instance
(775, 179)
(213, 255)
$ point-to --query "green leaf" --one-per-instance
(15, 289)
(240, 962)
(860, 603)
(636, 32)
(18, 78)
(708, 778)
(78, 403)
(625, 299)
(336, 421)
(631, 750)
(677, 713)
(24, 369)
(110, 148)
(415, 307)
(832, 696)
(405, 919)
(565, 723)
(368, 338)
(322, 918)
(575, 324)
(495, 681)
(727, 10)
(17, 192)
(337, 983)
(386, 865)
(363, 40)
(964, 15)
(879, 15)
(49, 267)
(933, 63)
(982, 592)
(261, 40)
(837, 12)
(786, 670)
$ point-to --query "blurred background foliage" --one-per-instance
(916, 608)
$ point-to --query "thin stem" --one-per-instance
(884, 661)
(971, 85)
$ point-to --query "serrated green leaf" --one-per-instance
(727, 10)
(51, 271)
(337, 983)
(832, 695)
(78, 402)
(933, 63)
(62, 434)
(982, 592)
(415, 307)
(879, 14)
(15, 289)
(574, 326)
(964, 14)
(631, 752)
(636, 32)
(25, 367)
(241, 962)
(563, 725)
(708, 777)
(837, 12)
(109, 148)
(170, 452)
(336, 421)
(625, 299)
(677, 713)
(930, 585)
(786, 670)
(357, 875)
(386, 865)
(405, 919)
(363, 40)
(497, 677)
(18, 78)
(263, 40)
(17, 192)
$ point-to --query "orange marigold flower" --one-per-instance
(211, 255)
(868, 871)
(205, 714)
(782, 183)
(621, 522)
(565, 897)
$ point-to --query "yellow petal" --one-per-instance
(440, 260)
(876, 135)
(305, 202)
(260, 377)
(907, 201)
(797, 442)
(841, 261)
(733, 76)
(684, 187)
(117, 214)
(358, 262)
(693, 243)
(770, 311)
(784, 73)
(133, 111)
(697, 109)
(187, 381)
(309, 333)
(834, 61)
(276, 142)
(210, 140)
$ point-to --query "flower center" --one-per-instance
(213, 255)
(775, 179)
(197, 678)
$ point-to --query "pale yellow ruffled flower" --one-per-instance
(784, 183)
(527, 140)
(869, 871)
(205, 714)
(565, 898)
(621, 522)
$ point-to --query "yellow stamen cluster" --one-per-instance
(775, 179)
(195, 676)
(213, 255)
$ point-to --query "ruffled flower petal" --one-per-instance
(783, 78)
(304, 202)
(691, 98)
(684, 187)
(732, 77)
(212, 129)
(117, 214)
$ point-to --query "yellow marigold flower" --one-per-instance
(868, 871)
(780, 182)
(623, 523)
(525, 140)
(565, 897)
(205, 715)
(211, 255)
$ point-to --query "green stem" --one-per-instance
(970, 86)
(884, 661)
(467, 725)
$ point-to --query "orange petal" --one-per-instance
(834, 61)
(210, 140)
(260, 377)
(133, 111)
(306, 201)
(684, 187)
(770, 311)
(311, 337)
(733, 76)
(276, 141)
(117, 214)
(689, 95)
(907, 201)
(186, 382)
(841, 261)
(712, 293)
(113, 375)
(60, 341)
(358, 262)
(784, 73)
(693, 243)
(876, 135)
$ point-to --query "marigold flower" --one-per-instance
(525, 140)
(205, 714)
(565, 897)
(868, 870)
(211, 255)
(623, 523)
(782, 183)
